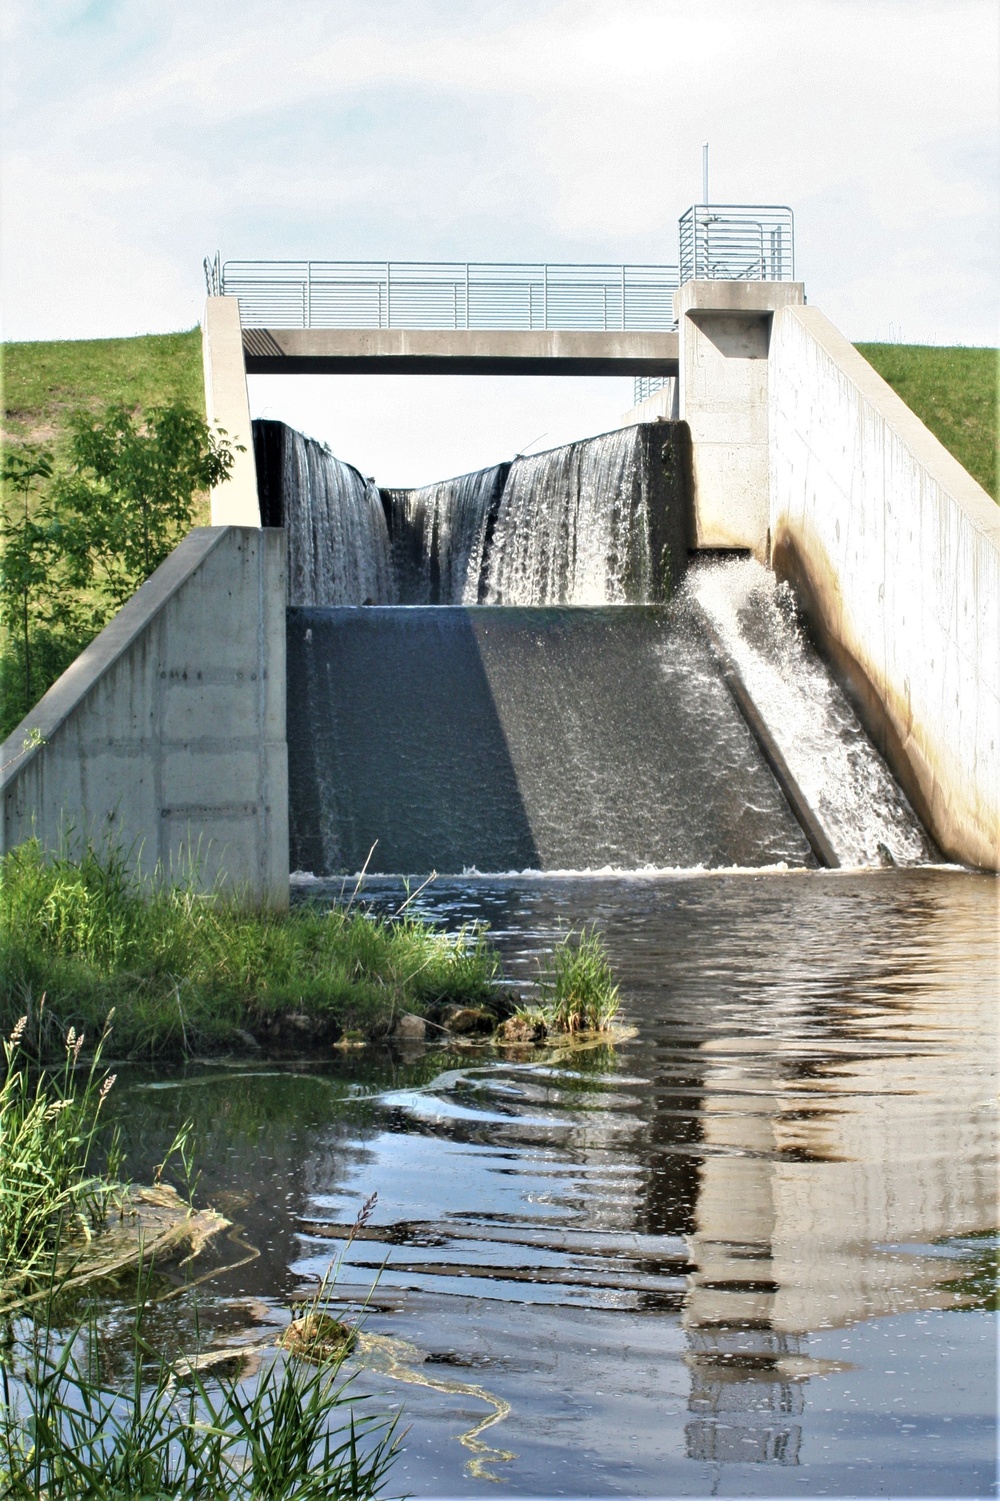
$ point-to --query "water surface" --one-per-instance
(744, 1251)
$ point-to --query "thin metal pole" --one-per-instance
(545, 295)
(467, 322)
(704, 172)
(623, 297)
(388, 294)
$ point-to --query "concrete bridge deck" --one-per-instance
(463, 351)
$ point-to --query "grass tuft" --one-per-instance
(50, 1139)
(577, 988)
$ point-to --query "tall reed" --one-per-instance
(577, 986)
(59, 1171)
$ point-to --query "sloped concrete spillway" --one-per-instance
(535, 684)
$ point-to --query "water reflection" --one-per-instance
(676, 1257)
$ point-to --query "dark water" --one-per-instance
(521, 738)
(744, 1251)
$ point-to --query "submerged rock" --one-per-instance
(317, 1337)
(521, 1029)
(467, 1019)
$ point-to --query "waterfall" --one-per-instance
(574, 527)
(440, 535)
(338, 540)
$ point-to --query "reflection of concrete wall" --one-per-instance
(896, 552)
(167, 734)
(807, 1174)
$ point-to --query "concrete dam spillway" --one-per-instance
(537, 681)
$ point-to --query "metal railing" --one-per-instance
(432, 295)
(737, 242)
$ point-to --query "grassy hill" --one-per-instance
(954, 392)
(44, 382)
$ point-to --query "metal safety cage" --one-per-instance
(737, 242)
(446, 295)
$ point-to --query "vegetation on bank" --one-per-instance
(955, 392)
(82, 530)
(190, 973)
(72, 1424)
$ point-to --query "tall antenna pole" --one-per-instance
(704, 172)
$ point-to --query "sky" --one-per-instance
(139, 137)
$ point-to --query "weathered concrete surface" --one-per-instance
(724, 336)
(462, 351)
(661, 406)
(227, 405)
(168, 733)
(895, 551)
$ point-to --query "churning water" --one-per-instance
(748, 1249)
(845, 781)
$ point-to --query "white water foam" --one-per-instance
(843, 778)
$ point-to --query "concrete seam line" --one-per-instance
(108, 646)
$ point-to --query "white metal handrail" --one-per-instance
(737, 242)
(446, 295)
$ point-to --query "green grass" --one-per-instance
(187, 972)
(49, 1129)
(44, 382)
(576, 987)
(954, 392)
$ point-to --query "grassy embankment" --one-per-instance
(955, 393)
(190, 973)
(45, 383)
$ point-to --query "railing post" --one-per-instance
(388, 294)
(545, 294)
(468, 320)
(309, 294)
(623, 299)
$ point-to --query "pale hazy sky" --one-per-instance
(140, 136)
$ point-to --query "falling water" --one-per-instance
(338, 541)
(573, 528)
(440, 535)
(843, 778)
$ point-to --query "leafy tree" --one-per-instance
(79, 538)
(128, 496)
(28, 545)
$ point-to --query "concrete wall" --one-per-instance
(661, 406)
(895, 551)
(724, 330)
(227, 406)
(168, 732)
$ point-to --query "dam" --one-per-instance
(720, 683)
(753, 624)
(534, 678)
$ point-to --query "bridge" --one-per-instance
(488, 318)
